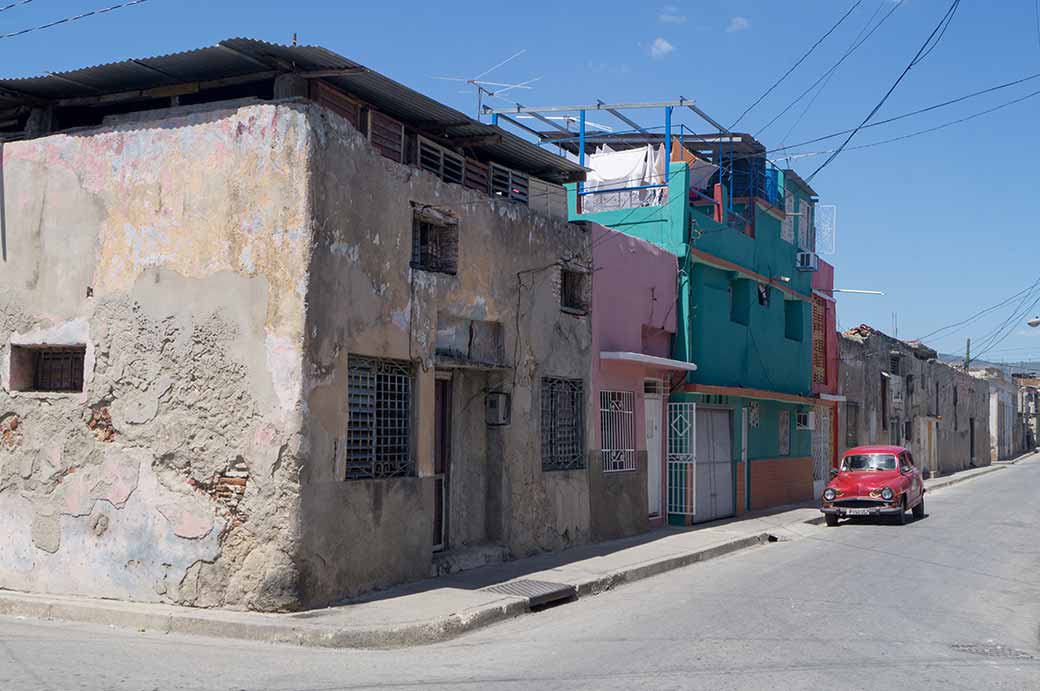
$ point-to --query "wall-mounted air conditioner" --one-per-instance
(496, 408)
(805, 421)
(807, 261)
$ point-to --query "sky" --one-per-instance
(940, 222)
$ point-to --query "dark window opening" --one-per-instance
(763, 295)
(435, 241)
(851, 425)
(740, 301)
(893, 364)
(793, 316)
(884, 402)
(955, 408)
(572, 291)
(56, 369)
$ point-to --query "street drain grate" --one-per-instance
(538, 593)
(992, 650)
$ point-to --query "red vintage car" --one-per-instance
(874, 481)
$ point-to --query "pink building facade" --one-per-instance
(633, 322)
(825, 359)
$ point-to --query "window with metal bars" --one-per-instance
(379, 399)
(563, 428)
(55, 369)
(819, 341)
(851, 424)
(572, 291)
(617, 430)
(435, 241)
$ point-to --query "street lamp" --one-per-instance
(1034, 322)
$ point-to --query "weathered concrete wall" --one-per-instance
(921, 390)
(365, 299)
(1005, 440)
(174, 246)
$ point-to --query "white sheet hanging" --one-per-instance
(618, 170)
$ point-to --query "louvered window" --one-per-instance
(477, 176)
(819, 341)
(435, 240)
(379, 398)
(386, 135)
(509, 184)
(335, 100)
(446, 165)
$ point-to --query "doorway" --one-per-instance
(653, 413)
(714, 464)
(971, 438)
(441, 460)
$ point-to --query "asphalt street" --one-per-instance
(951, 601)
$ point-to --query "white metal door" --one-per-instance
(714, 465)
(682, 430)
(652, 411)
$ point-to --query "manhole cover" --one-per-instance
(992, 650)
(538, 593)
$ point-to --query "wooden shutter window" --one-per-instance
(386, 135)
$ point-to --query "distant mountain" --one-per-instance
(1025, 366)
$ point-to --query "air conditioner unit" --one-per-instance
(496, 408)
(805, 421)
(807, 261)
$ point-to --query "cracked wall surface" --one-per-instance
(366, 300)
(173, 245)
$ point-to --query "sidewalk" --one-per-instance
(441, 608)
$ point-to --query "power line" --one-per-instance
(830, 74)
(928, 130)
(925, 48)
(797, 63)
(981, 312)
(15, 4)
(67, 20)
(834, 67)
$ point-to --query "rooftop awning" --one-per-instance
(651, 360)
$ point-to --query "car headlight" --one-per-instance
(829, 494)
(887, 494)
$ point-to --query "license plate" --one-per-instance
(857, 512)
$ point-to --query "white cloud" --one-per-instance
(738, 24)
(660, 48)
(669, 14)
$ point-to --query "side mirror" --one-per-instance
(834, 472)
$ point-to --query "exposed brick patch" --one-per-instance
(10, 435)
(227, 489)
(100, 423)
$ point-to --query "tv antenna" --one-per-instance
(497, 88)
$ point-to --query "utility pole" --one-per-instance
(967, 356)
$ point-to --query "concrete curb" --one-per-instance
(286, 628)
(275, 628)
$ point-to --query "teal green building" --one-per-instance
(744, 240)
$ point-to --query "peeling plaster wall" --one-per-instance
(862, 362)
(365, 299)
(175, 247)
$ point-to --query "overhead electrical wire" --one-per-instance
(830, 75)
(980, 313)
(67, 20)
(830, 71)
(14, 5)
(800, 60)
(924, 50)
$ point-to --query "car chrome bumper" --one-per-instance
(865, 511)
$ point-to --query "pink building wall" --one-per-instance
(633, 310)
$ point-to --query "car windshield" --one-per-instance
(869, 461)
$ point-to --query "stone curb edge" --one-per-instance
(322, 636)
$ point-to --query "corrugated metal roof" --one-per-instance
(242, 56)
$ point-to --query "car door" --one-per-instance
(914, 476)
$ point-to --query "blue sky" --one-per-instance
(943, 223)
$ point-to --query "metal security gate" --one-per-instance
(682, 428)
(714, 464)
(821, 449)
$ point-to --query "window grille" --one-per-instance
(572, 290)
(435, 241)
(58, 369)
(563, 429)
(893, 363)
(379, 394)
(784, 431)
(617, 430)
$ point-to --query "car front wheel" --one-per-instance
(832, 519)
(919, 509)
